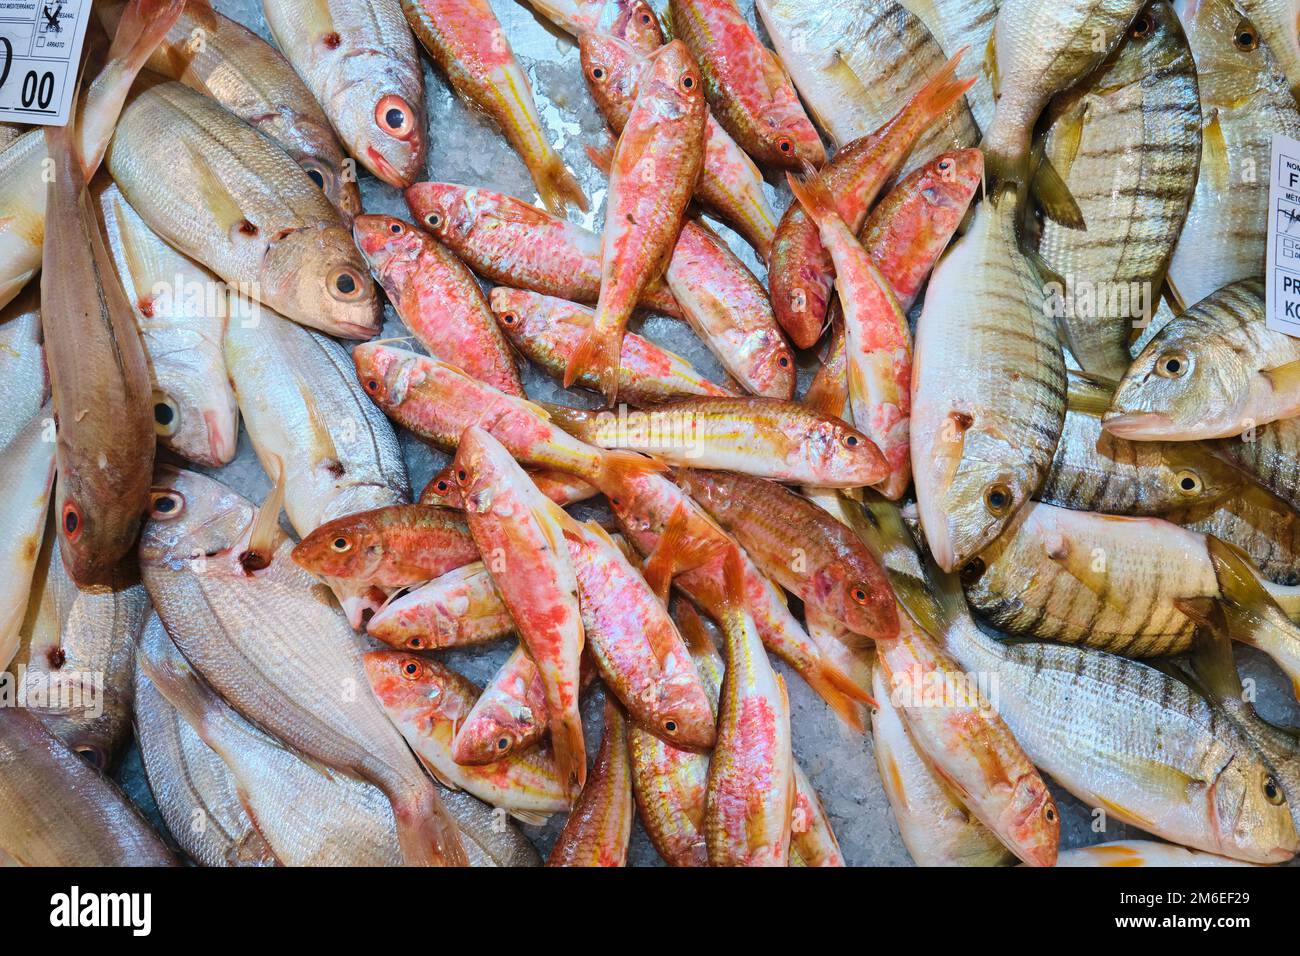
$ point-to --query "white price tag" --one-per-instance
(1283, 277)
(40, 50)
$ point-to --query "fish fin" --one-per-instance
(1215, 164)
(143, 25)
(524, 214)
(322, 444)
(813, 195)
(1212, 661)
(225, 207)
(1089, 394)
(1054, 196)
(691, 627)
(1079, 566)
(426, 833)
(1239, 582)
(840, 693)
(266, 525)
(617, 465)
(599, 354)
(570, 754)
(558, 187)
(316, 14)
(676, 552)
(1116, 810)
(531, 817)
(602, 157)
(1284, 378)
(733, 577)
(991, 64)
(940, 92)
(578, 422)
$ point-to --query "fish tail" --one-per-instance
(426, 833)
(143, 25)
(733, 578)
(940, 92)
(557, 186)
(813, 195)
(839, 691)
(570, 753)
(676, 552)
(1006, 160)
(598, 354)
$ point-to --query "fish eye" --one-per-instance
(1172, 365)
(785, 144)
(645, 18)
(687, 82)
(1049, 813)
(1189, 482)
(670, 725)
(1246, 37)
(1142, 27)
(166, 415)
(433, 219)
(998, 499)
(411, 668)
(316, 174)
(341, 545)
(395, 117)
(503, 744)
(462, 476)
(860, 594)
(372, 385)
(1273, 793)
(346, 284)
(72, 522)
(784, 360)
(416, 643)
(395, 228)
(972, 571)
(851, 440)
(165, 505)
(597, 73)
(945, 165)
(509, 318)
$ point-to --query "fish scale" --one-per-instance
(1271, 454)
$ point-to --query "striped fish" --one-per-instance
(965, 23)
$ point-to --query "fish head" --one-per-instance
(672, 83)
(860, 596)
(318, 272)
(970, 490)
(383, 372)
(1032, 821)
(635, 23)
(947, 184)
(194, 410)
(480, 464)
(1192, 475)
(498, 725)
(1231, 57)
(192, 519)
(446, 210)
(1249, 808)
(1155, 41)
(769, 362)
(1176, 389)
(679, 710)
(350, 547)
(417, 691)
(840, 454)
(442, 490)
(93, 521)
(612, 68)
(388, 243)
(379, 112)
(519, 311)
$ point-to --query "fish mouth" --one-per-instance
(386, 170)
(1137, 425)
(221, 444)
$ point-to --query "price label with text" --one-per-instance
(40, 49)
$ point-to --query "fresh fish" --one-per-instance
(193, 788)
(812, 841)
(988, 392)
(359, 61)
(600, 826)
(22, 363)
(1245, 101)
(306, 414)
(730, 312)
(630, 20)
(1039, 50)
(1142, 104)
(438, 403)
(746, 85)
(78, 648)
(438, 299)
(306, 814)
(459, 609)
(394, 546)
(1095, 471)
(937, 828)
(961, 24)
(730, 184)
(802, 548)
(26, 473)
(751, 791)
(509, 717)
(1101, 580)
(878, 341)
(25, 162)
(513, 243)
(465, 39)
(220, 576)
(854, 62)
(10, 132)
(1123, 737)
(564, 489)
(1127, 853)
(223, 59)
(1278, 23)
(764, 437)
(181, 309)
(233, 201)
(548, 330)
(1215, 371)
(634, 643)
(520, 532)
(99, 378)
(1261, 525)
(426, 702)
(57, 810)
(958, 729)
(801, 272)
(905, 235)
(686, 547)
(1271, 454)
(670, 784)
(653, 173)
